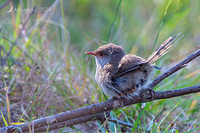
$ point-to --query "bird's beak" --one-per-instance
(91, 52)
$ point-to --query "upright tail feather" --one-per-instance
(165, 47)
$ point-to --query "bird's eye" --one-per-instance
(101, 54)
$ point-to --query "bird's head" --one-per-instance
(109, 53)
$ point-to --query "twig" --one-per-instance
(147, 95)
(174, 69)
(120, 122)
(176, 93)
(99, 116)
(43, 17)
(4, 4)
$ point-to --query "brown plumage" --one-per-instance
(121, 74)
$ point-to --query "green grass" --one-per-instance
(52, 74)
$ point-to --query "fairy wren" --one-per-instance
(124, 75)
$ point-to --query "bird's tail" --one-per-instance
(165, 47)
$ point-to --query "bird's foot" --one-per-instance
(147, 94)
(116, 98)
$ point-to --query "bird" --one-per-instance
(122, 75)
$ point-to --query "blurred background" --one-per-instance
(44, 68)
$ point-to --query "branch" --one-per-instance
(174, 69)
(176, 93)
(4, 4)
(146, 96)
(79, 120)
(87, 113)
(120, 122)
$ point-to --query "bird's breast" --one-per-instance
(102, 76)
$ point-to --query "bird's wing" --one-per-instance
(129, 63)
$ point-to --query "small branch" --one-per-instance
(177, 92)
(99, 116)
(4, 4)
(120, 122)
(174, 69)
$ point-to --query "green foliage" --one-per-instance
(52, 74)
